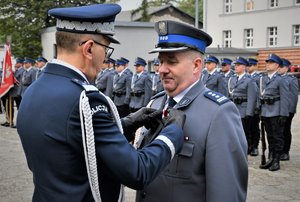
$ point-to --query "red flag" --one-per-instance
(7, 81)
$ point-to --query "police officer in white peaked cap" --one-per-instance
(76, 148)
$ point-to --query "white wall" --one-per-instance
(136, 38)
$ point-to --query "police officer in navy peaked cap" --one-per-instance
(226, 68)
(41, 62)
(213, 79)
(274, 95)
(212, 128)
(293, 89)
(76, 148)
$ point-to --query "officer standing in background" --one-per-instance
(274, 94)
(127, 70)
(243, 92)
(140, 86)
(28, 76)
(293, 100)
(255, 119)
(122, 88)
(213, 79)
(105, 78)
(76, 148)
(226, 68)
(41, 63)
(212, 165)
(155, 78)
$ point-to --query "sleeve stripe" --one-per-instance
(169, 143)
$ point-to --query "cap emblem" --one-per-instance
(162, 28)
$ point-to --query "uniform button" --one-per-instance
(143, 194)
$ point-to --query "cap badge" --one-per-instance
(162, 28)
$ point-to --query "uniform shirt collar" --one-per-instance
(271, 75)
(178, 97)
(241, 76)
(253, 73)
(212, 72)
(60, 62)
(28, 69)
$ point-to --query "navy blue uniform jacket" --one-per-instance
(49, 127)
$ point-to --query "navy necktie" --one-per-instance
(171, 102)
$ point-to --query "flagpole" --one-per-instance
(10, 112)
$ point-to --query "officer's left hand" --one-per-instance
(143, 117)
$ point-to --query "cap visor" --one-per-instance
(112, 39)
(170, 49)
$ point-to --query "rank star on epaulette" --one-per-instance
(216, 97)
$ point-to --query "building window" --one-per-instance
(228, 6)
(249, 5)
(296, 35)
(248, 38)
(273, 3)
(297, 2)
(227, 39)
(272, 36)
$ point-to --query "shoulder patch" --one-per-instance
(87, 87)
(216, 97)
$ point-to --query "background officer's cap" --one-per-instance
(252, 61)
(211, 58)
(140, 61)
(19, 60)
(41, 59)
(110, 60)
(285, 62)
(274, 58)
(242, 61)
(125, 60)
(121, 62)
(92, 19)
(226, 61)
(176, 36)
(29, 60)
(156, 61)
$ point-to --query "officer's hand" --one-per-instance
(174, 116)
(282, 120)
(143, 117)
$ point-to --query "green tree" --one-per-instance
(188, 6)
(22, 20)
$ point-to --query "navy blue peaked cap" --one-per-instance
(175, 36)
(125, 60)
(241, 60)
(41, 59)
(156, 61)
(211, 58)
(92, 19)
(285, 62)
(110, 60)
(19, 60)
(140, 61)
(29, 60)
(252, 61)
(121, 62)
(226, 61)
(274, 58)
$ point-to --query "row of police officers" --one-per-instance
(26, 72)
(129, 90)
(271, 97)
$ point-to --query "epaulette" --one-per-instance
(86, 86)
(216, 97)
(162, 93)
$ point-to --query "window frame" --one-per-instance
(248, 38)
(227, 5)
(272, 37)
(227, 38)
(296, 36)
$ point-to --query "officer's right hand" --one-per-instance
(281, 120)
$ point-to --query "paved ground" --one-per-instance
(281, 186)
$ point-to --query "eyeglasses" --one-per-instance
(108, 50)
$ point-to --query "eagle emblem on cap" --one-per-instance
(162, 28)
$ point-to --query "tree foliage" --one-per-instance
(187, 6)
(22, 20)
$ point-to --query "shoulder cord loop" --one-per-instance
(88, 141)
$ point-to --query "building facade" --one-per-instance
(264, 26)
